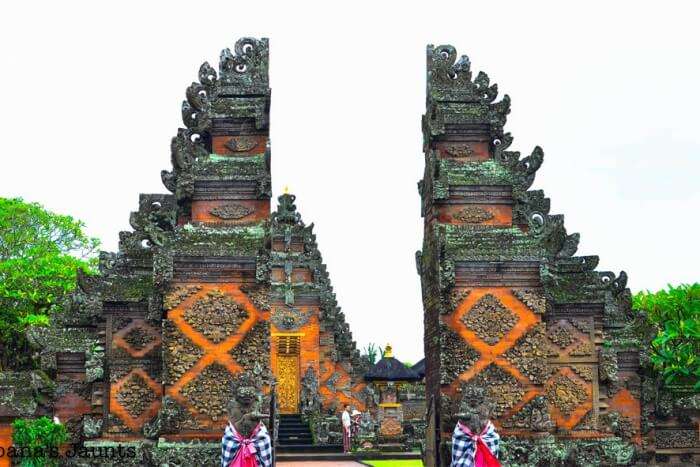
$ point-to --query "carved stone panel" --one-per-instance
(212, 333)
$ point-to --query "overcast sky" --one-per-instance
(92, 94)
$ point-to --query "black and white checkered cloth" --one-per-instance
(259, 444)
(464, 444)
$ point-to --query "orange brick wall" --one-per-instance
(5, 443)
(309, 343)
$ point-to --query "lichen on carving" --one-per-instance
(210, 391)
(231, 211)
(490, 319)
(289, 318)
(473, 215)
(459, 150)
(241, 143)
(138, 338)
(457, 356)
(561, 334)
(253, 352)
(135, 396)
(535, 301)
(216, 316)
(178, 294)
(529, 355)
(179, 353)
(566, 394)
(503, 390)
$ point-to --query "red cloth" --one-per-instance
(346, 440)
(245, 457)
(483, 457)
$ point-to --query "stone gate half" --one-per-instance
(508, 305)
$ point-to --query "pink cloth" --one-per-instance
(346, 439)
(246, 454)
(483, 457)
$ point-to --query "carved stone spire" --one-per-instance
(287, 210)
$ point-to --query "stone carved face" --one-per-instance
(246, 395)
(474, 410)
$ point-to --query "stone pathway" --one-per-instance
(318, 464)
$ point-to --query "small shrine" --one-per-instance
(388, 375)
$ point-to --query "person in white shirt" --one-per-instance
(345, 419)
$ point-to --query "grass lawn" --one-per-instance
(400, 463)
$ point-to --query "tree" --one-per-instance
(40, 254)
(371, 352)
(674, 316)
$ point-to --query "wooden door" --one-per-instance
(288, 374)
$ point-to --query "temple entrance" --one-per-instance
(288, 373)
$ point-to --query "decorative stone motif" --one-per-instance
(473, 215)
(253, 352)
(583, 349)
(457, 358)
(288, 318)
(309, 396)
(260, 296)
(583, 325)
(210, 392)
(179, 353)
(529, 355)
(561, 334)
(534, 415)
(459, 150)
(584, 371)
(216, 316)
(135, 396)
(456, 298)
(390, 428)
(618, 424)
(179, 294)
(502, 390)
(231, 211)
(607, 368)
(535, 301)
(675, 439)
(170, 419)
(241, 143)
(566, 394)
(138, 339)
(489, 319)
(586, 423)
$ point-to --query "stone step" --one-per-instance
(308, 448)
(295, 440)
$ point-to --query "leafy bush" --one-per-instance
(675, 315)
(38, 441)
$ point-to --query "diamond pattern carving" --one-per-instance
(137, 338)
(210, 391)
(503, 390)
(507, 375)
(135, 398)
(179, 353)
(135, 395)
(569, 396)
(489, 319)
(216, 316)
(213, 321)
(561, 334)
(566, 394)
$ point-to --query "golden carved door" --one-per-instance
(288, 373)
